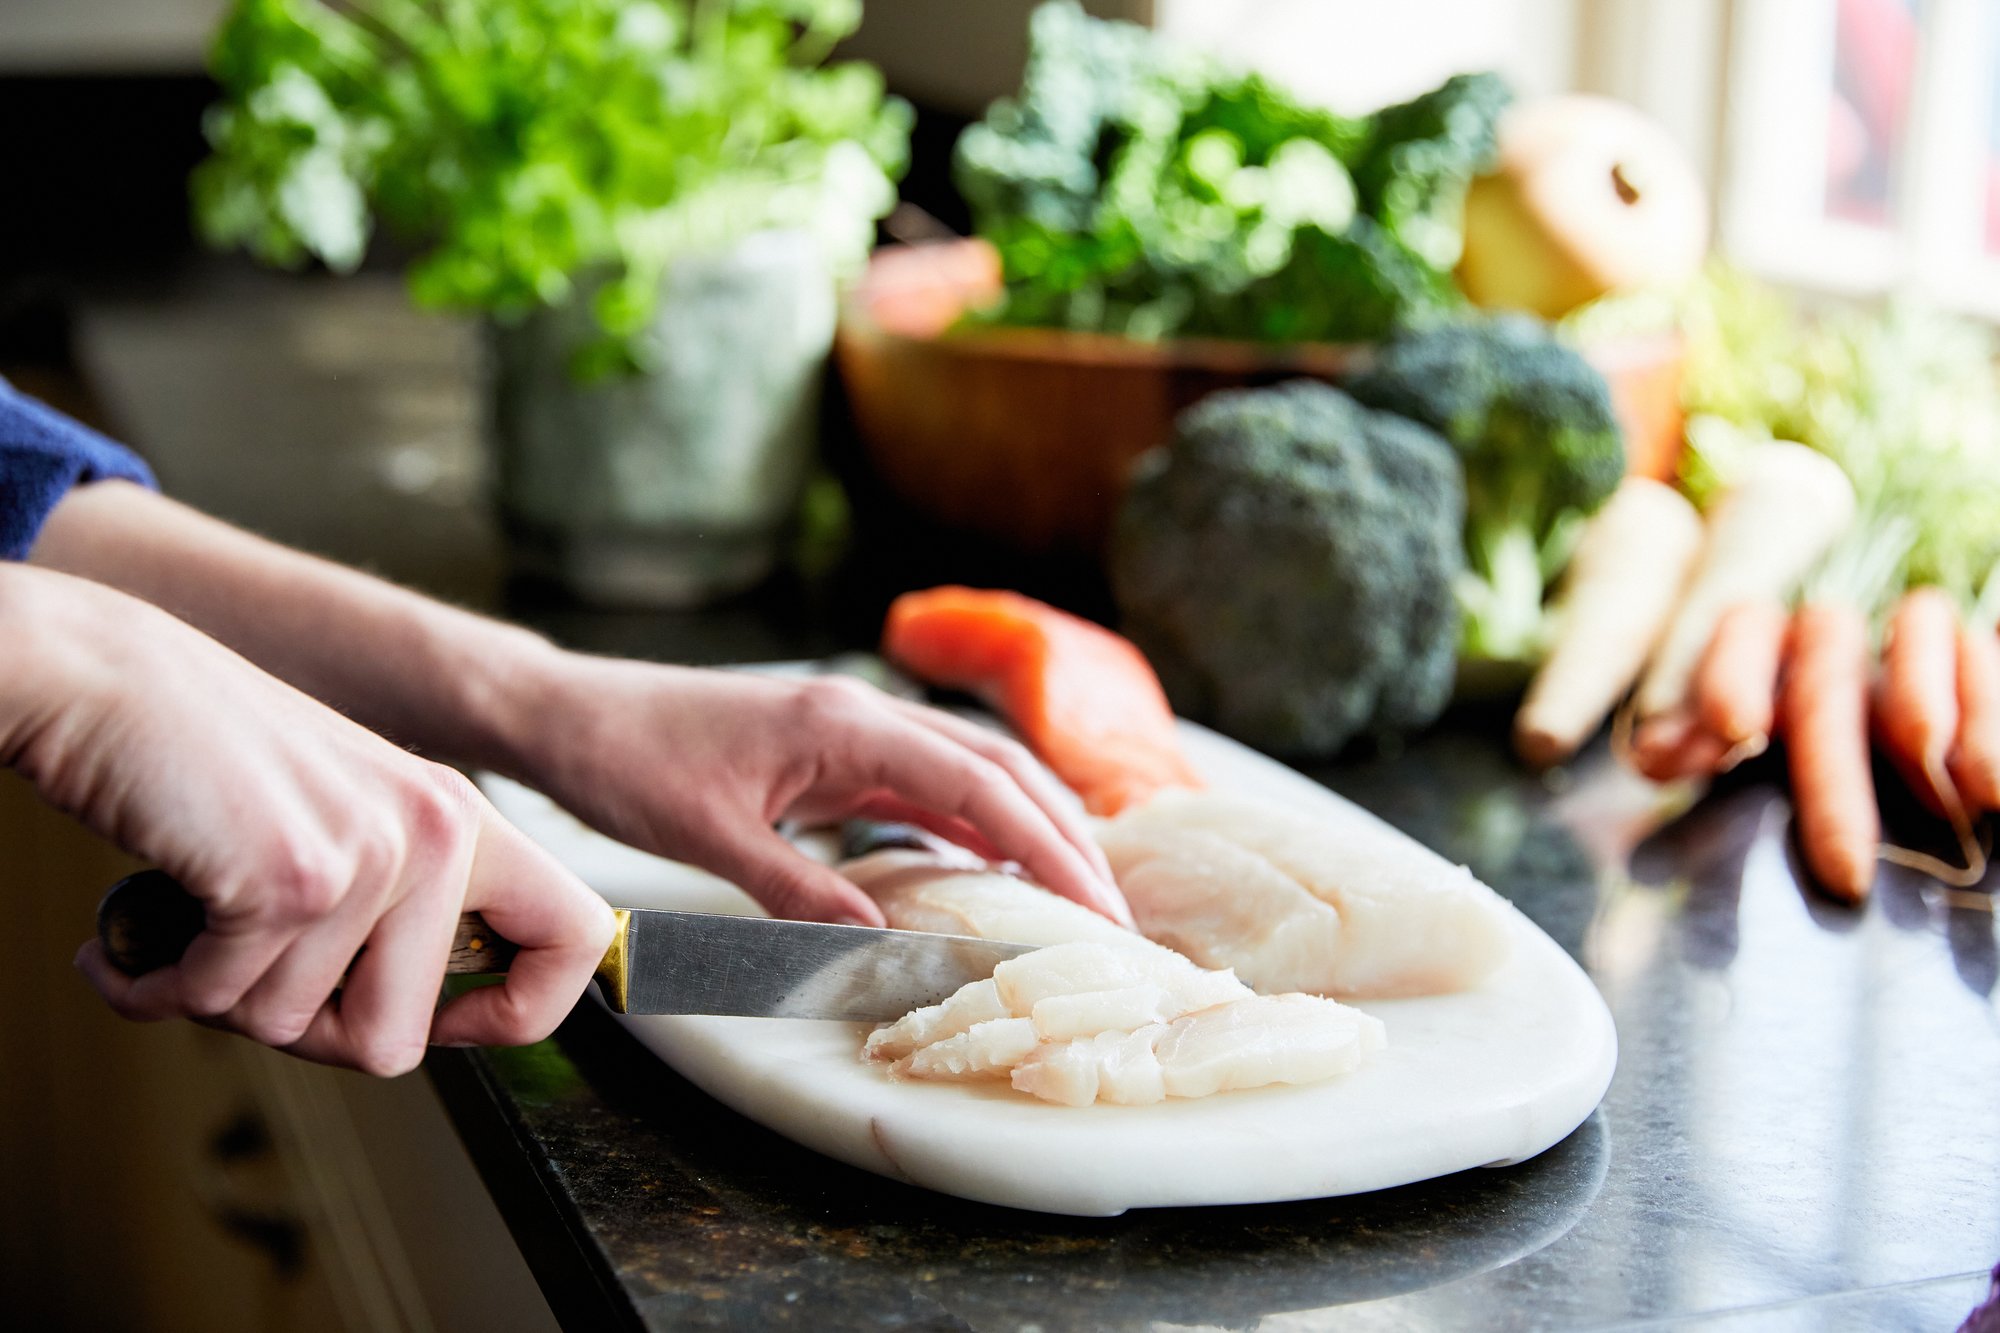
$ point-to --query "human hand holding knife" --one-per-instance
(659, 962)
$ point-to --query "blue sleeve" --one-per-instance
(42, 454)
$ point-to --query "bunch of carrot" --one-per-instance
(1809, 677)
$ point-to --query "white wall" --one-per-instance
(1356, 55)
(105, 36)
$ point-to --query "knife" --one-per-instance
(658, 963)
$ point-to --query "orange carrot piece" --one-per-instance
(1670, 746)
(1736, 685)
(1975, 760)
(1084, 699)
(1823, 708)
(1916, 699)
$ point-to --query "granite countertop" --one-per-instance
(1803, 1132)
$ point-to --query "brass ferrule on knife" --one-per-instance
(614, 972)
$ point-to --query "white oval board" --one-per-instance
(1481, 1078)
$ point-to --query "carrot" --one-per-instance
(1823, 708)
(1736, 685)
(1787, 508)
(1916, 699)
(1622, 584)
(1672, 746)
(1974, 764)
(1084, 699)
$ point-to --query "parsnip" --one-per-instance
(1623, 584)
(1787, 508)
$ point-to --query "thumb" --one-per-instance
(789, 884)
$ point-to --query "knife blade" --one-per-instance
(659, 962)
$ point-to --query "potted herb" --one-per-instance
(648, 201)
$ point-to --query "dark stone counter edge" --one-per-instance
(574, 1276)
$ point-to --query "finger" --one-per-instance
(220, 968)
(1061, 805)
(888, 808)
(382, 1021)
(923, 767)
(288, 1000)
(784, 881)
(561, 928)
(115, 986)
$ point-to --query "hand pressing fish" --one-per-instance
(1101, 1014)
(1128, 1023)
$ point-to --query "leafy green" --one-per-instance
(538, 150)
(1905, 399)
(1139, 188)
(1421, 157)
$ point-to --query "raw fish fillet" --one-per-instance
(1295, 903)
(952, 894)
(1125, 1022)
(1067, 990)
(1069, 971)
(985, 1050)
(1247, 1043)
(1083, 698)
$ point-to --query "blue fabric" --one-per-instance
(42, 454)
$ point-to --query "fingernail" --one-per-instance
(847, 920)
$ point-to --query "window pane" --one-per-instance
(1990, 161)
(1874, 68)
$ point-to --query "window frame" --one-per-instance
(1772, 217)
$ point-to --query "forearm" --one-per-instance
(34, 662)
(454, 684)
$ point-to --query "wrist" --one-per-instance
(56, 666)
(511, 682)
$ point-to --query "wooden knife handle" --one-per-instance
(147, 921)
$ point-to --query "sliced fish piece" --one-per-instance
(1061, 1017)
(1263, 1040)
(1118, 1067)
(983, 1051)
(965, 1008)
(1093, 965)
(1253, 1042)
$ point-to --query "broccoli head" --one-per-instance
(1288, 563)
(1533, 425)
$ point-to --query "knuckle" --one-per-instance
(389, 1057)
(443, 806)
(519, 1026)
(274, 1027)
(208, 999)
(303, 880)
(832, 698)
(1013, 755)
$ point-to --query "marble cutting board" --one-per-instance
(1486, 1077)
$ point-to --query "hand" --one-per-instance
(306, 837)
(699, 765)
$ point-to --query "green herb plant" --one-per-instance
(535, 152)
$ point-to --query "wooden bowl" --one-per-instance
(1026, 435)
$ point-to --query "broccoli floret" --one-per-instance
(1287, 561)
(1533, 425)
(1421, 156)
